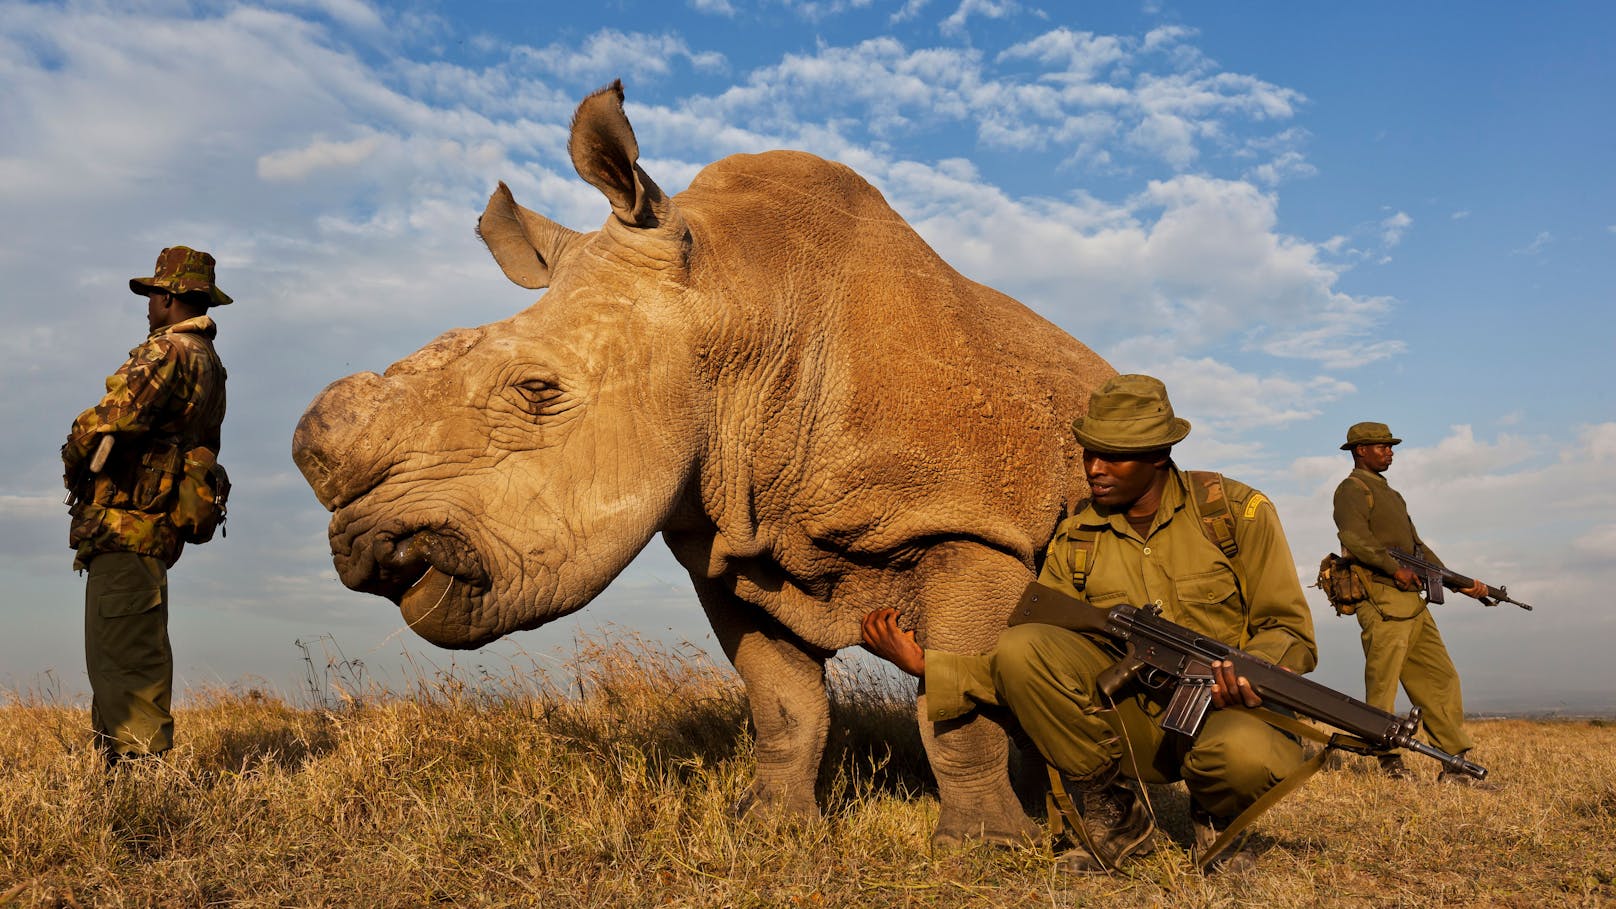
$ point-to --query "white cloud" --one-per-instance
(1599, 440)
(1283, 167)
(295, 164)
(817, 10)
(1393, 228)
(1227, 400)
(909, 10)
(1599, 542)
(609, 53)
(1539, 242)
(956, 22)
(716, 7)
(1080, 55)
(1093, 96)
(355, 14)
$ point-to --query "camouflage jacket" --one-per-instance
(167, 398)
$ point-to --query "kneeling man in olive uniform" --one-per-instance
(1400, 640)
(1210, 553)
(124, 458)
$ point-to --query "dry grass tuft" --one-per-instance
(614, 784)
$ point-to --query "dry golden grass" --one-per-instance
(616, 788)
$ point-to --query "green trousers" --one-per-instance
(127, 654)
(1046, 676)
(1410, 651)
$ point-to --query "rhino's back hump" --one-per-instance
(957, 394)
(789, 214)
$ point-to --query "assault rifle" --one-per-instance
(1435, 577)
(1160, 653)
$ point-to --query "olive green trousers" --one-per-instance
(127, 654)
(1046, 676)
(1410, 651)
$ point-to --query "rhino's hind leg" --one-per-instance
(969, 758)
(785, 688)
(976, 587)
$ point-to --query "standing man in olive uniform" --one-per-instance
(1141, 540)
(1400, 640)
(123, 460)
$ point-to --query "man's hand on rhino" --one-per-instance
(885, 639)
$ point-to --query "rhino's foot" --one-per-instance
(778, 803)
(956, 828)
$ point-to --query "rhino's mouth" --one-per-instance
(434, 577)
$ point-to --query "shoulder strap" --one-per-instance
(1368, 493)
(1084, 540)
(1212, 507)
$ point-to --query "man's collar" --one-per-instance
(202, 325)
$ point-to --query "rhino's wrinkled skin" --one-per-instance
(771, 369)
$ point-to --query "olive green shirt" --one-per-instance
(1253, 601)
(1370, 517)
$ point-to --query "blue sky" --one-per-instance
(1298, 216)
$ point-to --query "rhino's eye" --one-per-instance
(541, 398)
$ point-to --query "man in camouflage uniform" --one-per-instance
(1140, 540)
(1400, 640)
(165, 400)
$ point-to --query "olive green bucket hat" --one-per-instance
(182, 271)
(1369, 434)
(1130, 414)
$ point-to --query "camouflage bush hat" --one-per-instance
(1369, 434)
(1130, 414)
(182, 271)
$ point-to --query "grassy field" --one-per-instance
(616, 788)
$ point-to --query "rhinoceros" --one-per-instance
(772, 370)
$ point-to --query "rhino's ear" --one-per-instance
(525, 243)
(606, 155)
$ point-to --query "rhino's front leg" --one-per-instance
(785, 688)
(972, 591)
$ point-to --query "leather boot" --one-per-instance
(1113, 816)
(1207, 829)
(1392, 766)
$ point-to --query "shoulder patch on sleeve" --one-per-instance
(1253, 503)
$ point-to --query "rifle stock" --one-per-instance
(1160, 653)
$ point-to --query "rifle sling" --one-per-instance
(1284, 787)
(1060, 807)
